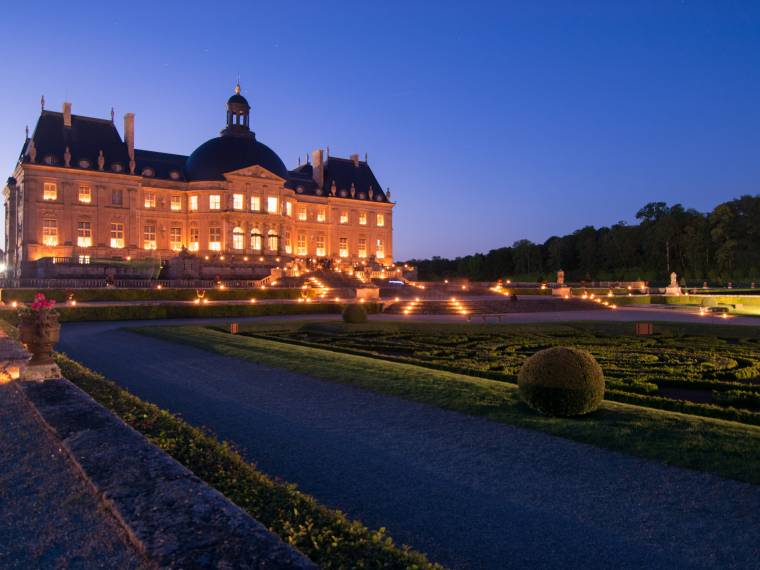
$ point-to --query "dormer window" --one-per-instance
(116, 167)
(50, 159)
(84, 163)
(148, 172)
(174, 175)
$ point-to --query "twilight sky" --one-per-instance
(489, 121)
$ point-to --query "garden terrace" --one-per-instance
(726, 448)
(708, 370)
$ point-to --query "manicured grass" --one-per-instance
(325, 535)
(105, 294)
(189, 311)
(724, 448)
(693, 359)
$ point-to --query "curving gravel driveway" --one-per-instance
(469, 492)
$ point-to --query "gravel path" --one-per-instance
(470, 493)
(48, 518)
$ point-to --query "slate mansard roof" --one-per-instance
(87, 136)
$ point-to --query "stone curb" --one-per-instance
(169, 514)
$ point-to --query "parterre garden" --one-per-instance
(700, 369)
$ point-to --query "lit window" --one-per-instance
(343, 247)
(256, 240)
(256, 203)
(175, 238)
(362, 218)
(237, 201)
(302, 213)
(215, 238)
(321, 215)
(214, 202)
(301, 244)
(194, 239)
(50, 191)
(116, 197)
(362, 247)
(84, 234)
(50, 232)
(176, 204)
(273, 241)
(321, 246)
(288, 245)
(380, 249)
(194, 203)
(288, 208)
(272, 204)
(380, 220)
(150, 199)
(84, 260)
(85, 194)
(238, 237)
(149, 236)
(117, 235)
(344, 216)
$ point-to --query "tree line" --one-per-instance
(719, 246)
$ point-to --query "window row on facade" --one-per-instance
(272, 204)
(254, 240)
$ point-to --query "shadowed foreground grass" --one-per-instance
(724, 448)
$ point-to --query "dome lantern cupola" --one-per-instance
(238, 114)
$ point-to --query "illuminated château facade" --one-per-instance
(80, 192)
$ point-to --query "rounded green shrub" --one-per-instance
(354, 314)
(562, 381)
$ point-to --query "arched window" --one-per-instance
(256, 240)
(273, 241)
(238, 238)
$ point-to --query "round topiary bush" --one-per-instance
(354, 314)
(562, 381)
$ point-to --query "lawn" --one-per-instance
(715, 369)
(725, 448)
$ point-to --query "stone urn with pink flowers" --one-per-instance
(39, 329)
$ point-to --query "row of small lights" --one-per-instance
(411, 306)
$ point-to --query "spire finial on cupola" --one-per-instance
(237, 88)
(42, 103)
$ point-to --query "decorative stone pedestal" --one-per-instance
(40, 372)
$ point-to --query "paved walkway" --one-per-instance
(471, 493)
(48, 518)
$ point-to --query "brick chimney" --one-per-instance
(129, 134)
(318, 166)
(355, 159)
(67, 115)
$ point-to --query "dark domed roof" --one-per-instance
(238, 99)
(227, 153)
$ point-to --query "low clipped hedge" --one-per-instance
(325, 535)
(150, 312)
(111, 294)
(561, 381)
(354, 314)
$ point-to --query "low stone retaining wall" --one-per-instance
(173, 517)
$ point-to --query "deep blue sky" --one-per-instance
(490, 122)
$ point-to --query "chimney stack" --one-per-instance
(67, 115)
(355, 159)
(129, 134)
(318, 167)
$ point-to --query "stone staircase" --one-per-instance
(467, 307)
